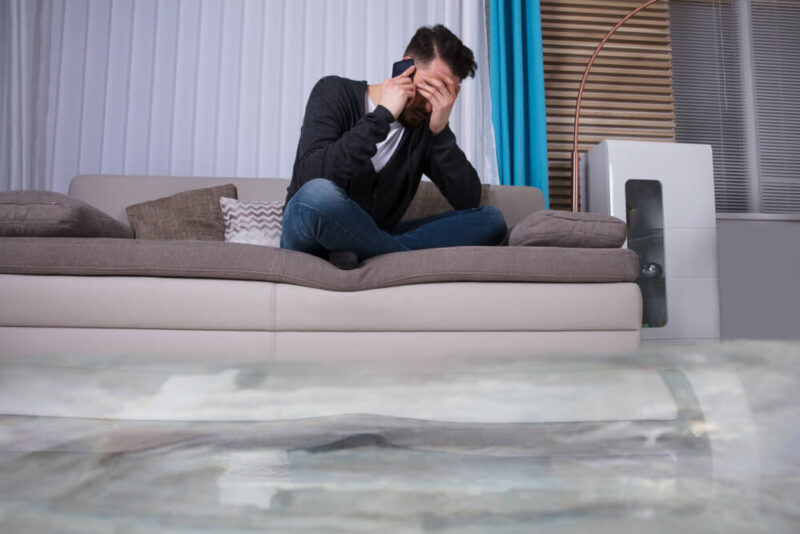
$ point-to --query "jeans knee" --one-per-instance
(318, 192)
(318, 202)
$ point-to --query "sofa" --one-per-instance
(95, 296)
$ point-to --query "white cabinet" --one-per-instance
(665, 193)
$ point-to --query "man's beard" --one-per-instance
(411, 118)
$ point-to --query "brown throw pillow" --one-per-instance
(188, 215)
(50, 214)
(548, 228)
(430, 201)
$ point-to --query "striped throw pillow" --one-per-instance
(254, 222)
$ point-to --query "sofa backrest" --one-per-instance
(113, 193)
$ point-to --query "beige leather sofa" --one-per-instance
(247, 302)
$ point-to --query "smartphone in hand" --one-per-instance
(401, 66)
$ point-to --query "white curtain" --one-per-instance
(25, 65)
(5, 94)
(204, 87)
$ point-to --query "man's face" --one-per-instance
(419, 108)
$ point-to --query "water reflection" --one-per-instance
(700, 439)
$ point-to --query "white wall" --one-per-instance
(218, 88)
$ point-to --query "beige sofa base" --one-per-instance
(77, 345)
(104, 316)
(145, 302)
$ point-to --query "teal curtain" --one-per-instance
(517, 83)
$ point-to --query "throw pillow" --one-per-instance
(50, 214)
(188, 215)
(548, 228)
(254, 222)
(428, 201)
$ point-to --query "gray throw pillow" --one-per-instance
(51, 214)
(548, 228)
(192, 214)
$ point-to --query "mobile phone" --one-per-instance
(401, 66)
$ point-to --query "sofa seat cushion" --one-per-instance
(208, 259)
(552, 228)
(51, 214)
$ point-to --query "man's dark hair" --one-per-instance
(431, 42)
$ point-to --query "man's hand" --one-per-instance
(441, 92)
(397, 92)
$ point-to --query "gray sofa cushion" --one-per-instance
(548, 228)
(192, 214)
(208, 259)
(50, 214)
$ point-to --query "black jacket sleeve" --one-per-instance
(334, 142)
(452, 172)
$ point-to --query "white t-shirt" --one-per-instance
(388, 146)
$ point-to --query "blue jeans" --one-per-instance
(321, 217)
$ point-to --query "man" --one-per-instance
(363, 149)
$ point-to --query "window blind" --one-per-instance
(706, 47)
(776, 71)
(731, 55)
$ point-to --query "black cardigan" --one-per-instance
(337, 141)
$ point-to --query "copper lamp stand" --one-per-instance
(575, 180)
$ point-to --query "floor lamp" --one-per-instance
(575, 181)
